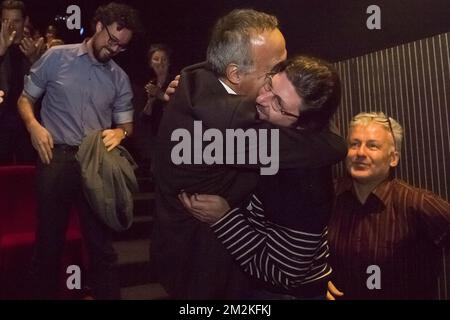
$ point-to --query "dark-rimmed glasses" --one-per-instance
(276, 102)
(392, 132)
(114, 42)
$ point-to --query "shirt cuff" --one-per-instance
(123, 117)
(31, 89)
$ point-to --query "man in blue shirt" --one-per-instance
(85, 91)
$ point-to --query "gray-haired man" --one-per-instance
(191, 263)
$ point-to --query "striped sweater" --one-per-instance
(275, 254)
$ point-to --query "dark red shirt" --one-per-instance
(400, 229)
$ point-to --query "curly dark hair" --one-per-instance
(318, 84)
(125, 16)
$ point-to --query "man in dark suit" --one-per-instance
(190, 262)
(17, 54)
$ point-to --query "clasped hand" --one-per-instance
(206, 208)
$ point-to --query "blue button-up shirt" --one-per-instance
(81, 94)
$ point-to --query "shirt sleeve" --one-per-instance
(40, 74)
(122, 108)
(275, 254)
(434, 216)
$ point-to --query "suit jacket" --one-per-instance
(190, 262)
(13, 67)
(108, 181)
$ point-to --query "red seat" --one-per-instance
(17, 232)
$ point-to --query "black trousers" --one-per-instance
(58, 188)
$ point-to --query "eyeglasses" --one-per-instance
(114, 42)
(276, 102)
(392, 131)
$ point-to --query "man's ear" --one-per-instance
(395, 158)
(98, 27)
(233, 73)
(26, 20)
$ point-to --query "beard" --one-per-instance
(101, 53)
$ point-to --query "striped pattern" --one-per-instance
(389, 230)
(278, 255)
(411, 83)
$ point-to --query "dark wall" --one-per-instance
(334, 30)
(410, 83)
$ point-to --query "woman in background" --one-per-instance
(159, 64)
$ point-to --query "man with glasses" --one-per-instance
(85, 91)
(383, 222)
(277, 103)
(113, 41)
(278, 236)
(245, 45)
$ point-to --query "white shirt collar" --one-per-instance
(229, 90)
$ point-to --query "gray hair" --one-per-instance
(366, 118)
(231, 35)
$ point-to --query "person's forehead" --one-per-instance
(12, 14)
(371, 131)
(113, 29)
(159, 54)
(268, 48)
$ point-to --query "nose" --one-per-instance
(360, 151)
(263, 95)
(115, 48)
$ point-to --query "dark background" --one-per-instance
(334, 30)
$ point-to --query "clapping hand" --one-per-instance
(152, 90)
(171, 88)
(7, 36)
(32, 49)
